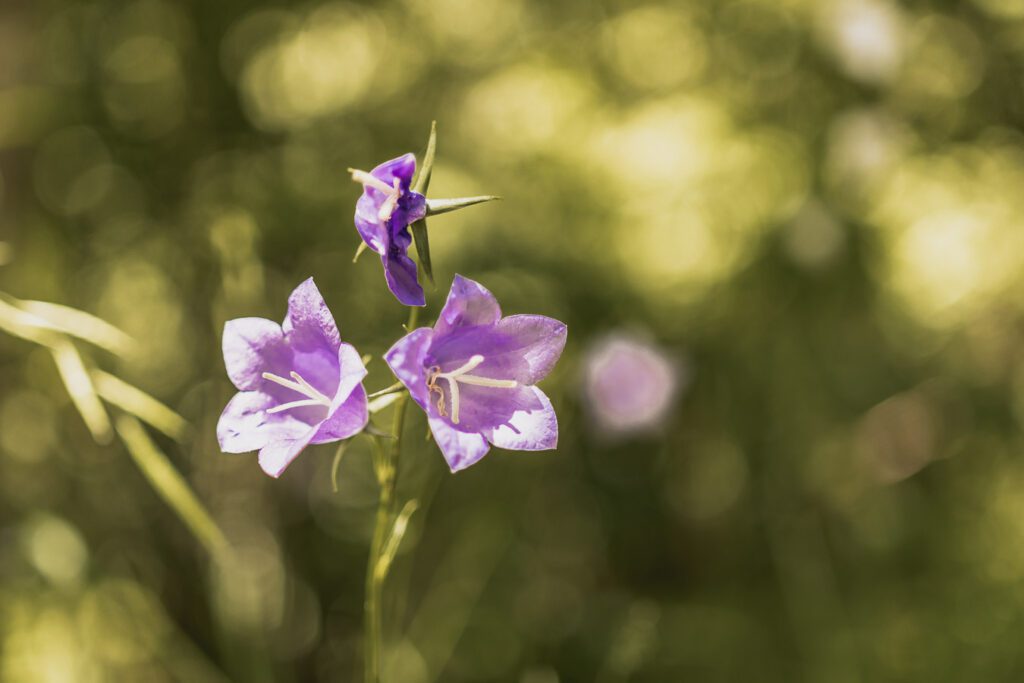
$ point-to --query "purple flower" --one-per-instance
(383, 216)
(298, 383)
(629, 384)
(474, 375)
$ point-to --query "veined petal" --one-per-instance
(402, 167)
(484, 408)
(460, 449)
(309, 324)
(369, 226)
(469, 303)
(529, 430)
(277, 455)
(251, 346)
(348, 420)
(245, 426)
(400, 273)
(406, 359)
(537, 339)
(352, 373)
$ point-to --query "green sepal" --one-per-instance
(427, 167)
(419, 228)
(359, 251)
(419, 235)
(438, 206)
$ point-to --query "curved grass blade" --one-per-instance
(140, 404)
(171, 486)
(80, 389)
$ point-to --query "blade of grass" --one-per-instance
(140, 404)
(80, 389)
(80, 324)
(171, 486)
(394, 540)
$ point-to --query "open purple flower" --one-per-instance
(383, 216)
(474, 374)
(298, 383)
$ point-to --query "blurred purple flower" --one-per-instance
(383, 216)
(298, 383)
(474, 375)
(629, 384)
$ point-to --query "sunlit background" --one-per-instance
(786, 236)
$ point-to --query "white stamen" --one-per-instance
(461, 375)
(294, 404)
(364, 178)
(393, 192)
(301, 386)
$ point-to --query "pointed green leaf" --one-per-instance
(427, 167)
(171, 485)
(83, 395)
(140, 404)
(419, 235)
(387, 555)
(393, 389)
(338, 454)
(381, 402)
(439, 206)
(359, 251)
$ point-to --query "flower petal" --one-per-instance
(529, 430)
(400, 273)
(277, 455)
(245, 426)
(537, 339)
(251, 346)
(469, 303)
(402, 167)
(369, 226)
(352, 372)
(460, 449)
(309, 324)
(406, 358)
(348, 420)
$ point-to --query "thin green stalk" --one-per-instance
(372, 612)
(386, 465)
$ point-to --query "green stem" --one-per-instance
(373, 585)
(386, 465)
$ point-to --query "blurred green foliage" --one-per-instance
(814, 203)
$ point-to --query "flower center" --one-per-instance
(393, 192)
(458, 376)
(313, 397)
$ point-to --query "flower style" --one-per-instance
(298, 383)
(383, 215)
(474, 374)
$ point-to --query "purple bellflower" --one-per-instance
(474, 374)
(298, 383)
(383, 215)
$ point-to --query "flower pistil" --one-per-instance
(461, 374)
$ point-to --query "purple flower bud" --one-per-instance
(629, 385)
(298, 383)
(474, 374)
(383, 215)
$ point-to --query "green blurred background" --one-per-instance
(812, 207)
